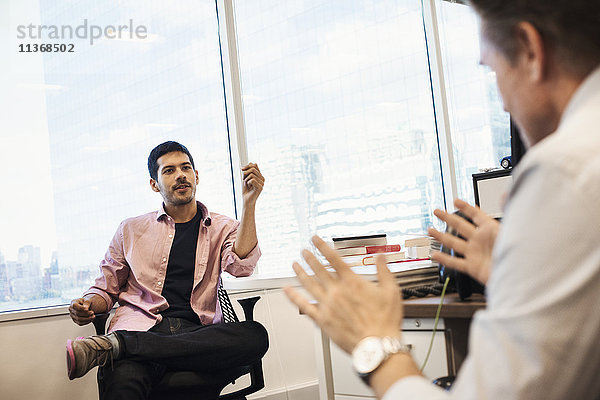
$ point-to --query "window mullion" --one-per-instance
(233, 97)
(440, 102)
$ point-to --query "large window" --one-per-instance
(77, 138)
(338, 111)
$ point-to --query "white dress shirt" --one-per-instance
(539, 337)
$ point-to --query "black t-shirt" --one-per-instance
(179, 281)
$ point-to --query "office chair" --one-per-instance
(192, 385)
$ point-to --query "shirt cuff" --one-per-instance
(109, 301)
(237, 266)
(415, 387)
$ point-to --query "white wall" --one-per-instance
(33, 363)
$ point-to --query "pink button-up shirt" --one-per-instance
(135, 266)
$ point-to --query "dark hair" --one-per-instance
(571, 29)
(161, 150)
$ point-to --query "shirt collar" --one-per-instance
(206, 221)
(587, 90)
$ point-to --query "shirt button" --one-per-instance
(170, 235)
(164, 259)
(159, 283)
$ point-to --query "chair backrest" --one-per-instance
(229, 314)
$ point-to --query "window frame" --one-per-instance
(236, 117)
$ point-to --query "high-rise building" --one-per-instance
(4, 286)
(25, 274)
(30, 258)
(54, 263)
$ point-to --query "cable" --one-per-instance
(435, 324)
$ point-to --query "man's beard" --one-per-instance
(177, 201)
(172, 198)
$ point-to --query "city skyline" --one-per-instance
(26, 282)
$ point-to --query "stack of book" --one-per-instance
(359, 252)
(362, 250)
(421, 247)
(408, 273)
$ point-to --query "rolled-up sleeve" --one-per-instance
(232, 263)
(113, 271)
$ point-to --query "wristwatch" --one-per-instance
(372, 351)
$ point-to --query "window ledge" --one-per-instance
(34, 313)
(232, 285)
(258, 283)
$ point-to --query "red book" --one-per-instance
(362, 250)
(383, 249)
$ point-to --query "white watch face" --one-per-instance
(368, 354)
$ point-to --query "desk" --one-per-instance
(337, 381)
(457, 316)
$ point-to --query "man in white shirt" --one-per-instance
(538, 337)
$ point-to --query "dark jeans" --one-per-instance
(176, 344)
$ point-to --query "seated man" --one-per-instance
(164, 268)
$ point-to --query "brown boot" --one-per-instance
(86, 353)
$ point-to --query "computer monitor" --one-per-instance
(491, 188)
(491, 191)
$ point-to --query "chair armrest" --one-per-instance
(257, 380)
(100, 322)
(248, 306)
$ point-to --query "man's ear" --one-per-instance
(154, 185)
(533, 52)
(197, 179)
